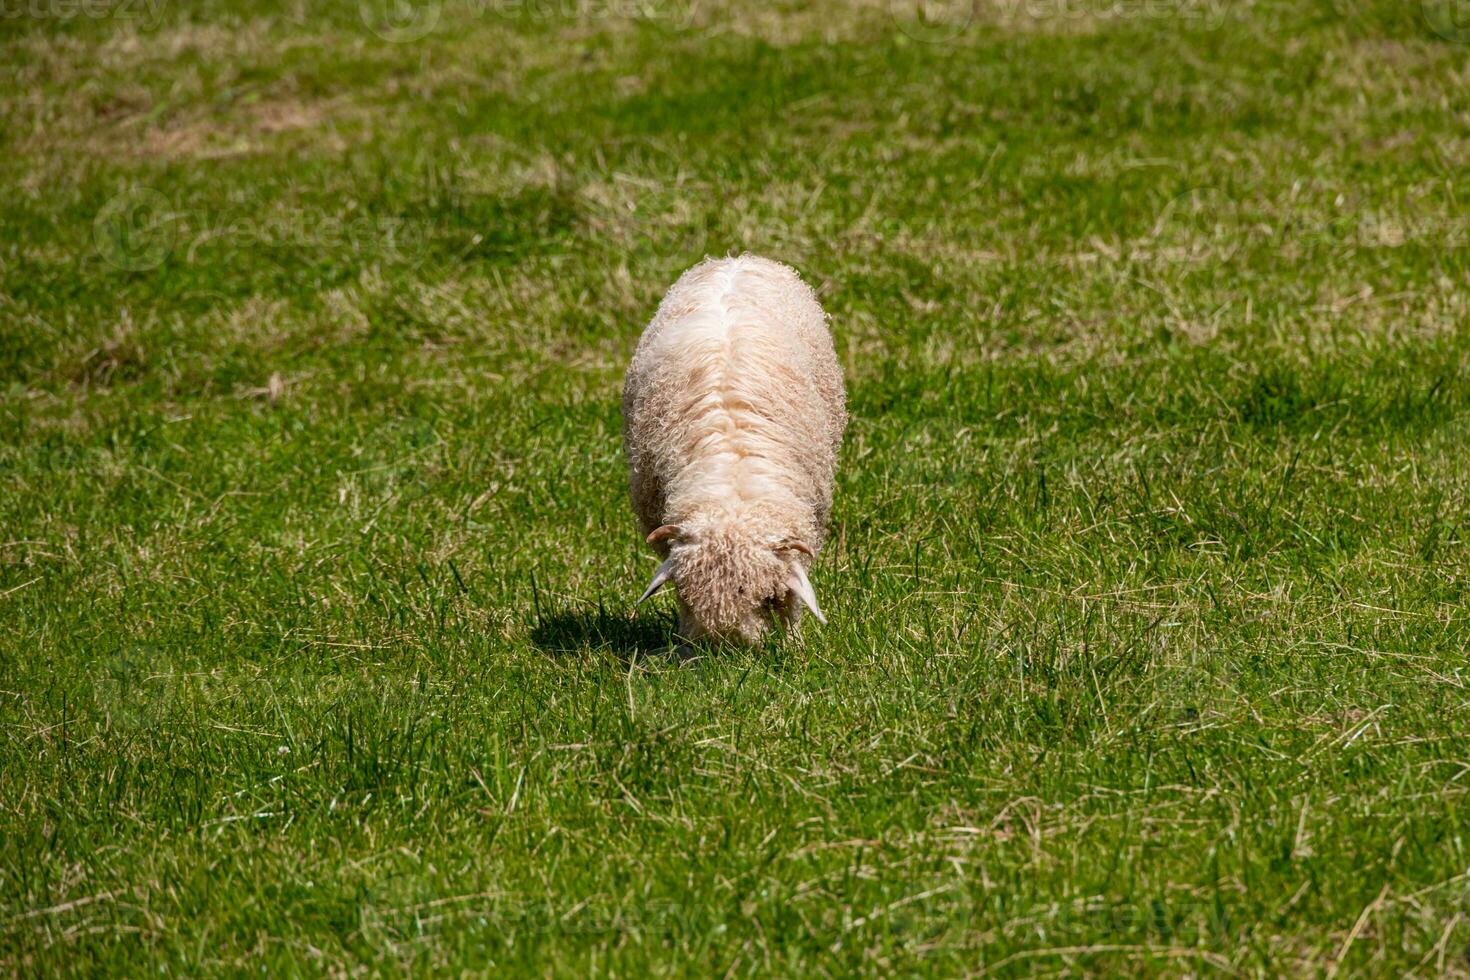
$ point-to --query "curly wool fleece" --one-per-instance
(733, 412)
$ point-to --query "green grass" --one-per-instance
(1151, 551)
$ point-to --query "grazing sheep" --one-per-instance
(733, 411)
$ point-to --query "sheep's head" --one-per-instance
(733, 585)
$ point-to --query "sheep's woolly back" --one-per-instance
(733, 412)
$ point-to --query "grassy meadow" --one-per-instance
(1150, 560)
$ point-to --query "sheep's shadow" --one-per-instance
(570, 632)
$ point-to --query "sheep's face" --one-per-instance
(723, 596)
(735, 587)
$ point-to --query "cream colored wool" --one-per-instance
(733, 412)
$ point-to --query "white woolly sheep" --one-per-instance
(733, 411)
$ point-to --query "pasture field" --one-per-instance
(1150, 562)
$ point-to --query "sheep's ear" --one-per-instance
(660, 579)
(663, 533)
(801, 586)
